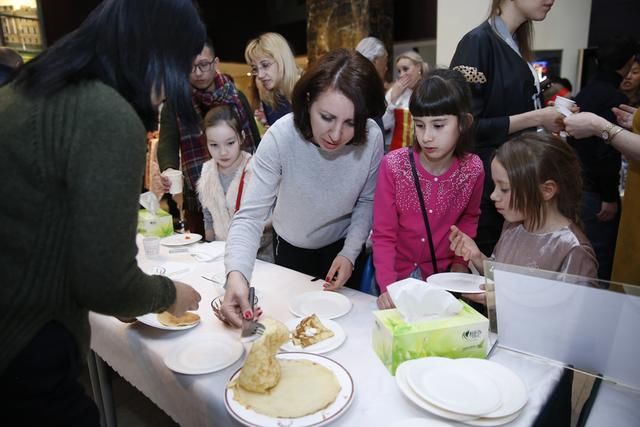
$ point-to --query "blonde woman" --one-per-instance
(397, 119)
(274, 66)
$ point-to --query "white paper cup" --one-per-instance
(175, 177)
(561, 100)
(564, 105)
(151, 246)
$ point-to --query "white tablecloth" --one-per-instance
(136, 352)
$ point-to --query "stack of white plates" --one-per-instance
(472, 391)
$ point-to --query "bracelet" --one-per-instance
(615, 133)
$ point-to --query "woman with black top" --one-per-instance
(495, 59)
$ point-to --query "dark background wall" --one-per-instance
(231, 24)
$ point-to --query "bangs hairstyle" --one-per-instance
(276, 47)
(136, 47)
(443, 92)
(224, 114)
(530, 160)
(349, 73)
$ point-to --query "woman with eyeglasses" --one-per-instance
(73, 143)
(315, 173)
(276, 73)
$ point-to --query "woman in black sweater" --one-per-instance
(72, 159)
(494, 57)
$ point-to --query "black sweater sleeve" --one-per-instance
(473, 57)
(104, 176)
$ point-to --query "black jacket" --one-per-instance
(600, 162)
(507, 88)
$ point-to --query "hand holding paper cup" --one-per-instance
(175, 176)
(564, 105)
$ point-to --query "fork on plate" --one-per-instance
(251, 327)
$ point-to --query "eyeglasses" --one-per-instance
(264, 66)
(204, 66)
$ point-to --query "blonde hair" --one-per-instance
(523, 34)
(274, 46)
(415, 58)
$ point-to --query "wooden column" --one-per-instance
(343, 23)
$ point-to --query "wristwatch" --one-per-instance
(609, 132)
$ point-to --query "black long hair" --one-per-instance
(136, 47)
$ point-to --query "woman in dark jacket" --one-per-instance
(495, 59)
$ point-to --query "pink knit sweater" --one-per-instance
(400, 242)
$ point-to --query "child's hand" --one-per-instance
(385, 302)
(464, 246)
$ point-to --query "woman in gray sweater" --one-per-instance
(316, 170)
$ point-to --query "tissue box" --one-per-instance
(160, 224)
(463, 335)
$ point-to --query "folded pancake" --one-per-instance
(304, 388)
(169, 319)
(261, 370)
(310, 331)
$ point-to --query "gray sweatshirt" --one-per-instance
(317, 197)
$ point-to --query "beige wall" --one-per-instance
(566, 28)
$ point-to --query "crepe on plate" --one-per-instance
(282, 388)
(168, 319)
(310, 331)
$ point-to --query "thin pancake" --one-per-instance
(304, 388)
(169, 319)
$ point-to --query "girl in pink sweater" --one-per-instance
(409, 241)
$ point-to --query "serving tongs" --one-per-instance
(250, 328)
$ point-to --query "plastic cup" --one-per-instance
(564, 105)
(175, 177)
(151, 246)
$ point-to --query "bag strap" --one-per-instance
(240, 188)
(424, 210)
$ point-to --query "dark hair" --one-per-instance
(349, 73)
(533, 158)
(445, 92)
(614, 53)
(136, 47)
(209, 43)
(223, 114)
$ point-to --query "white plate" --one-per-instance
(420, 422)
(490, 422)
(322, 417)
(325, 304)
(512, 388)
(323, 346)
(457, 282)
(401, 379)
(151, 319)
(211, 354)
(457, 388)
(181, 239)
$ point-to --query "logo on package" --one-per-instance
(472, 335)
